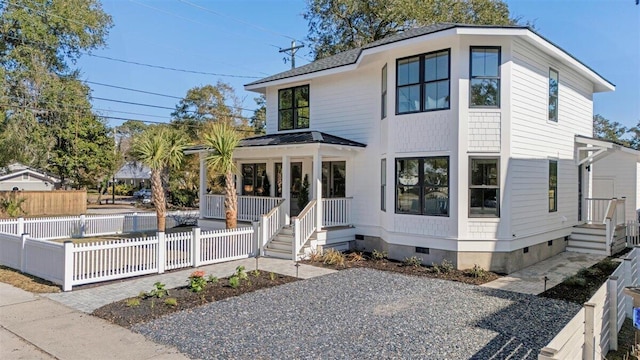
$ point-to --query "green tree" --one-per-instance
(160, 148)
(339, 25)
(609, 130)
(45, 115)
(635, 136)
(222, 140)
(210, 103)
(259, 119)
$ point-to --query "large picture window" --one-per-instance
(293, 108)
(422, 82)
(485, 77)
(553, 186)
(484, 187)
(422, 186)
(553, 95)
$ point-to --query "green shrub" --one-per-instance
(158, 291)
(477, 272)
(256, 273)
(445, 267)
(272, 276)
(173, 302)
(234, 282)
(212, 279)
(576, 281)
(412, 261)
(241, 274)
(12, 206)
(379, 255)
(183, 197)
(197, 282)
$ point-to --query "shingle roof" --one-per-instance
(351, 56)
(307, 137)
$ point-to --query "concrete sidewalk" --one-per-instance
(56, 326)
(530, 280)
(35, 327)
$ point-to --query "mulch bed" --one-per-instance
(126, 315)
(580, 288)
(463, 276)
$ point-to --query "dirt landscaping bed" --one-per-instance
(159, 301)
(411, 266)
(26, 282)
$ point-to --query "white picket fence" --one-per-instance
(70, 264)
(64, 227)
(633, 233)
(593, 331)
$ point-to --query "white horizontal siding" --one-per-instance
(535, 140)
(623, 169)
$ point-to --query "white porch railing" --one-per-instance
(336, 212)
(304, 225)
(633, 233)
(614, 216)
(271, 224)
(596, 210)
(250, 208)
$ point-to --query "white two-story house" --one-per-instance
(459, 142)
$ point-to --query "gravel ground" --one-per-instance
(364, 313)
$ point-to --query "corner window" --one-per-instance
(293, 108)
(383, 97)
(553, 186)
(422, 82)
(484, 77)
(383, 184)
(484, 187)
(553, 95)
(422, 186)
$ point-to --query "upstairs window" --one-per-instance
(293, 108)
(383, 97)
(485, 77)
(553, 186)
(383, 184)
(553, 95)
(422, 82)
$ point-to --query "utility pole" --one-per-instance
(292, 52)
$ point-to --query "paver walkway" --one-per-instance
(530, 280)
(88, 299)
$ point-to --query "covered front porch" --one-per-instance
(297, 184)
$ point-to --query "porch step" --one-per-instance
(278, 253)
(587, 237)
(587, 250)
(287, 230)
(588, 230)
(281, 243)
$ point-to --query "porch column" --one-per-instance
(286, 188)
(203, 183)
(317, 187)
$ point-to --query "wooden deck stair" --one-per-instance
(591, 239)
(282, 244)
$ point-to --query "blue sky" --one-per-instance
(241, 38)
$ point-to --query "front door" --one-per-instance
(296, 185)
(333, 179)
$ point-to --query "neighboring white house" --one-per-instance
(134, 174)
(20, 177)
(457, 142)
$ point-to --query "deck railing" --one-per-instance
(250, 208)
(596, 210)
(270, 224)
(304, 225)
(614, 216)
(336, 212)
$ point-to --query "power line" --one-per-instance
(159, 106)
(130, 89)
(171, 68)
(238, 20)
(137, 63)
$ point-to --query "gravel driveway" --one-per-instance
(366, 314)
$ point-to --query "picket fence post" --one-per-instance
(162, 248)
(589, 337)
(612, 289)
(195, 246)
(20, 226)
(135, 222)
(68, 265)
(257, 235)
(23, 253)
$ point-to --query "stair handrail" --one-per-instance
(304, 225)
(610, 223)
(270, 224)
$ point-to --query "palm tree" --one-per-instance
(222, 139)
(159, 148)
